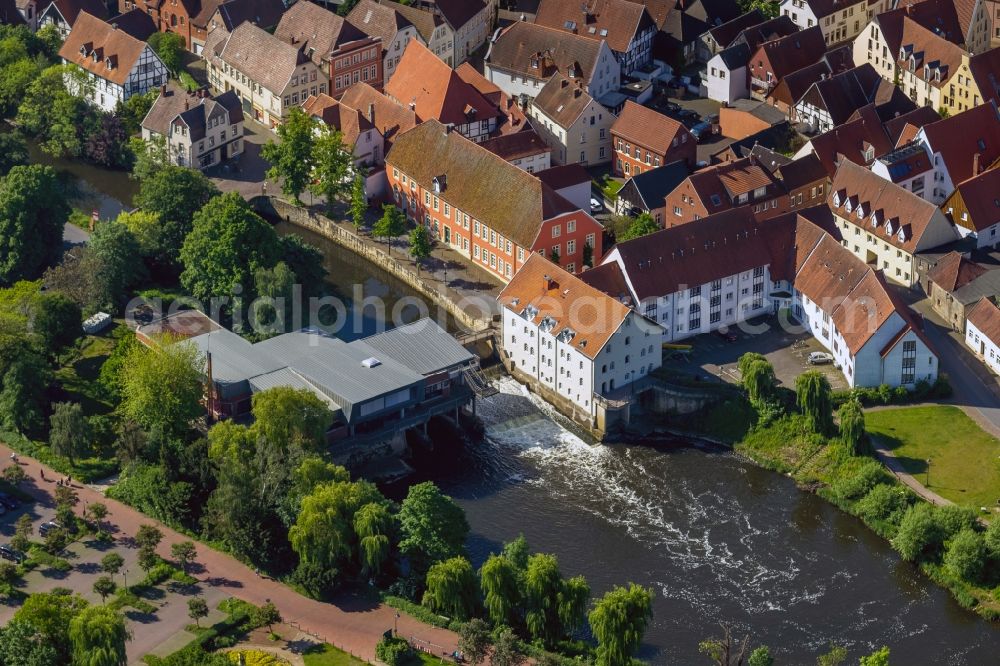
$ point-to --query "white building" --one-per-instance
(384, 22)
(571, 339)
(728, 78)
(982, 333)
(839, 21)
(199, 131)
(117, 64)
(573, 124)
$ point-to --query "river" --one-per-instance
(716, 538)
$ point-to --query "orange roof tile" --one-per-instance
(650, 129)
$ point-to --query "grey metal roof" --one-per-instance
(422, 346)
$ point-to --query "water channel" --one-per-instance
(716, 538)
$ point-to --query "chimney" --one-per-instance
(975, 164)
(163, 89)
(187, 103)
(413, 104)
(371, 113)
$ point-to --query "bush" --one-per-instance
(158, 574)
(856, 484)
(953, 519)
(318, 581)
(394, 651)
(966, 555)
(919, 534)
(883, 502)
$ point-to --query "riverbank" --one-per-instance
(856, 484)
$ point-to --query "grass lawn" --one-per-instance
(327, 655)
(78, 374)
(965, 460)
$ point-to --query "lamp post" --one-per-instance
(125, 576)
(927, 477)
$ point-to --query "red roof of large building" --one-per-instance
(968, 142)
(645, 127)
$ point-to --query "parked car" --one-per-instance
(595, 205)
(820, 358)
(45, 528)
(701, 131)
(8, 553)
(8, 501)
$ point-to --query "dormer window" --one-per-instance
(862, 212)
(902, 53)
(108, 63)
(913, 64)
(869, 153)
(847, 206)
(439, 184)
(83, 50)
(838, 199)
(901, 236)
(888, 227)
(534, 63)
(937, 75)
(876, 218)
(927, 72)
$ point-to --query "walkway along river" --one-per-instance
(717, 538)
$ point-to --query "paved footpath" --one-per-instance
(890, 460)
(353, 626)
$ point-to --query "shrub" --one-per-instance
(159, 573)
(966, 555)
(254, 658)
(953, 519)
(393, 651)
(919, 533)
(883, 502)
(856, 484)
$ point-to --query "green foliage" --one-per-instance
(169, 46)
(619, 620)
(54, 109)
(291, 417)
(331, 165)
(227, 243)
(992, 539)
(57, 321)
(69, 433)
(393, 652)
(500, 584)
(813, 394)
(32, 214)
(953, 518)
(359, 201)
(291, 156)
(761, 656)
(22, 645)
(174, 194)
(919, 533)
(265, 616)
(883, 502)
(148, 536)
(433, 527)
(507, 649)
(112, 563)
(878, 658)
(759, 381)
(852, 424)
(451, 588)
(766, 7)
(860, 481)
(49, 614)
(588, 255)
(162, 387)
(373, 524)
(13, 150)
(132, 111)
(119, 253)
(149, 157)
(305, 260)
(642, 225)
(22, 396)
(184, 553)
(554, 256)
(420, 243)
(197, 609)
(391, 224)
(835, 657)
(966, 555)
(148, 489)
(104, 587)
(474, 641)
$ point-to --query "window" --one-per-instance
(556, 230)
(571, 247)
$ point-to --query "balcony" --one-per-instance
(760, 88)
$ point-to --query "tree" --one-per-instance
(169, 46)
(331, 165)
(22, 396)
(391, 224)
(451, 588)
(55, 111)
(543, 588)
(966, 555)
(291, 156)
(420, 244)
(766, 7)
(619, 620)
(148, 536)
(572, 604)
(883, 502)
(359, 201)
(184, 552)
(474, 641)
(49, 614)
(69, 433)
(33, 212)
(878, 658)
(507, 650)
(725, 651)
(289, 417)
(22, 645)
(918, 534)
(498, 579)
(588, 255)
(323, 533)
(759, 382)
(150, 156)
(23, 530)
(991, 539)
(174, 194)
(13, 151)
(162, 387)
(112, 563)
(433, 527)
(133, 111)
(852, 424)
(57, 321)
(8, 573)
(120, 254)
(98, 512)
(554, 256)
(642, 225)
(270, 313)
(107, 142)
(835, 657)
(147, 558)
(306, 261)
(227, 243)
(104, 586)
(197, 609)
(14, 474)
(761, 656)
(265, 616)
(372, 525)
(813, 394)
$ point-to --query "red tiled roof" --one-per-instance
(645, 127)
(566, 175)
(615, 21)
(391, 118)
(100, 49)
(981, 197)
(609, 279)
(851, 139)
(515, 146)
(954, 271)
(961, 137)
(986, 317)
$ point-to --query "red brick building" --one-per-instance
(778, 58)
(345, 52)
(481, 206)
(643, 139)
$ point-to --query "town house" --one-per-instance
(117, 64)
(484, 208)
(356, 126)
(884, 225)
(264, 14)
(840, 20)
(198, 130)
(63, 13)
(451, 29)
(392, 28)
(572, 122)
(832, 100)
(955, 284)
(575, 342)
(727, 74)
(525, 55)
(775, 59)
(974, 207)
(982, 333)
(644, 139)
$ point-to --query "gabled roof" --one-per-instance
(766, 31)
(608, 278)
(718, 186)
(424, 21)
(459, 12)
(842, 94)
(793, 52)
(851, 139)
(985, 68)
(986, 317)
(924, 47)
(192, 109)
(261, 56)
(538, 51)
(70, 10)
(962, 137)
(435, 90)
(487, 187)
(564, 175)
(391, 118)
(981, 196)
(615, 21)
(562, 100)
(938, 16)
(887, 208)
(735, 56)
(574, 307)
(376, 20)
(648, 128)
(725, 33)
(136, 22)
(315, 30)
(513, 118)
(516, 146)
(823, 8)
(102, 50)
(954, 271)
(350, 122)
(916, 119)
(262, 13)
(654, 185)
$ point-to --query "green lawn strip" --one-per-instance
(965, 460)
(327, 655)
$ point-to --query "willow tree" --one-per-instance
(618, 621)
(852, 424)
(814, 397)
(373, 523)
(451, 588)
(498, 579)
(323, 533)
(759, 381)
(98, 636)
